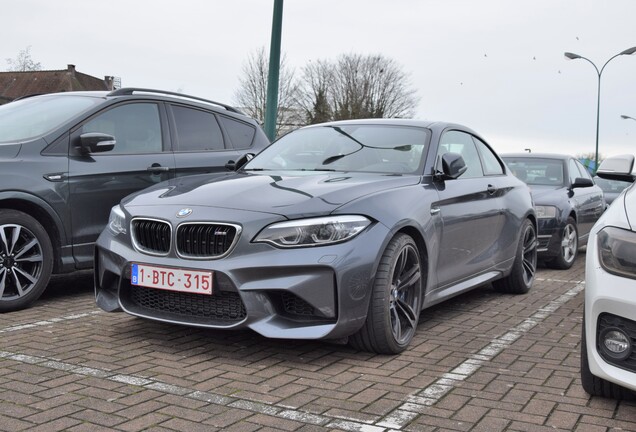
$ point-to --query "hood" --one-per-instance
(298, 195)
(9, 150)
(540, 192)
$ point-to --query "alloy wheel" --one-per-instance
(21, 261)
(405, 295)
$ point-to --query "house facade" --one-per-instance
(14, 85)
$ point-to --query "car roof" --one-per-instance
(536, 156)
(145, 93)
(429, 124)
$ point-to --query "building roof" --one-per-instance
(14, 85)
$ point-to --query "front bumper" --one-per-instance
(610, 301)
(303, 293)
(549, 237)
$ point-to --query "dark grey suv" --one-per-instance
(67, 158)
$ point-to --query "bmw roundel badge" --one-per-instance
(184, 212)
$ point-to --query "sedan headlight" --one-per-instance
(617, 251)
(545, 212)
(313, 232)
(117, 221)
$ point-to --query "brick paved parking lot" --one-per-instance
(483, 361)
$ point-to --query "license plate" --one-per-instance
(173, 279)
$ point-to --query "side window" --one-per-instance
(196, 129)
(462, 143)
(136, 128)
(584, 172)
(574, 170)
(492, 166)
(241, 134)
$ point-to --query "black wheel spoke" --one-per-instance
(26, 248)
(3, 278)
(5, 242)
(396, 324)
(400, 265)
(406, 311)
(409, 278)
(18, 286)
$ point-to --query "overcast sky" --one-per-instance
(496, 66)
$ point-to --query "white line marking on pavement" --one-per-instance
(414, 406)
(48, 322)
(427, 397)
(234, 402)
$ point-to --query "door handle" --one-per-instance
(156, 168)
(491, 189)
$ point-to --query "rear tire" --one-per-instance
(569, 247)
(26, 260)
(520, 279)
(594, 385)
(396, 299)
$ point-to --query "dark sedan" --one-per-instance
(567, 203)
(345, 229)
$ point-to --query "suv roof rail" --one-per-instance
(127, 91)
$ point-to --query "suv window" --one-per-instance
(135, 126)
(241, 134)
(196, 129)
(17, 118)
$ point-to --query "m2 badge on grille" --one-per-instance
(172, 279)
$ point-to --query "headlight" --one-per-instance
(617, 251)
(545, 212)
(313, 232)
(117, 221)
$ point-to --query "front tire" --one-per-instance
(26, 260)
(569, 247)
(524, 268)
(396, 299)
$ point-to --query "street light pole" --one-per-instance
(271, 104)
(572, 56)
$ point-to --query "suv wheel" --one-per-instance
(26, 260)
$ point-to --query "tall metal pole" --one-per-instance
(271, 107)
(572, 56)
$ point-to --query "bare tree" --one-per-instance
(352, 86)
(356, 86)
(251, 96)
(315, 93)
(23, 62)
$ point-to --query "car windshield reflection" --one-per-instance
(352, 148)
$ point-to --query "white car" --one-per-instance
(608, 346)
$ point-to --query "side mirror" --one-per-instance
(617, 168)
(235, 166)
(452, 166)
(581, 182)
(96, 142)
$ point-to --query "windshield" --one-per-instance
(35, 116)
(546, 172)
(363, 148)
